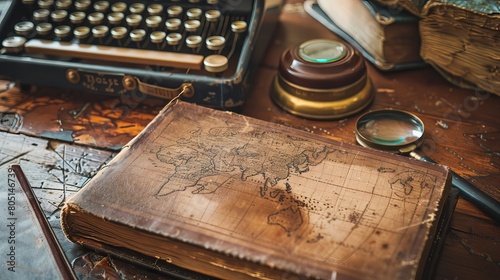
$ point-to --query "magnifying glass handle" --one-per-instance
(483, 201)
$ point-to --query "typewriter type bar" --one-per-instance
(114, 54)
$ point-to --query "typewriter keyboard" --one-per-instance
(201, 35)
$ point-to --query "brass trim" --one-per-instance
(313, 94)
(323, 110)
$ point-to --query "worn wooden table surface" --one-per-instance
(62, 138)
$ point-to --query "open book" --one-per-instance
(233, 197)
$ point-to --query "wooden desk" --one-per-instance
(95, 126)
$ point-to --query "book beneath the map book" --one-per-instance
(223, 195)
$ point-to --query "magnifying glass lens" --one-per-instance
(388, 128)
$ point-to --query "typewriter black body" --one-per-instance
(206, 49)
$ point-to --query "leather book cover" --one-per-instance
(232, 197)
(388, 38)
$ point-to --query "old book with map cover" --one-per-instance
(232, 197)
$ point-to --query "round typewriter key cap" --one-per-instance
(134, 20)
(45, 4)
(174, 39)
(28, 2)
(212, 2)
(41, 15)
(116, 18)
(81, 32)
(95, 18)
(193, 41)
(24, 28)
(119, 7)
(215, 63)
(173, 24)
(239, 26)
(137, 8)
(155, 9)
(100, 31)
(215, 42)
(212, 15)
(13, 44)
(192, 25)
(62, 31)
(59, 15)
(157, 36)
(77, 17)
(63, 4)
(43, 28)
(174, 11)
(101, 6)
(118, 32)
(153, 21)
(194, 13)
(137, 35)
(82, 5)
(194, 1)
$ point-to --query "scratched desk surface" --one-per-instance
(61, 138)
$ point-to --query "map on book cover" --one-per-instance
(287, 197)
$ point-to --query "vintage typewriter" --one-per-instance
(206, 49)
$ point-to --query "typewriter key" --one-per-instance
(43, 29)
(215, 63)
(174, 11)
(81, 32)
(82, 5)
(45, 4)
(194, 13)
(41, 15)
(59, 15)
(62, 31)
(13, 44)
(215, 43)
(134, 20)
(173, 24)
(212, 2)
(136, 8)
(101, 6)
(95, 18)
(239, 26)
(28, 2)
(194, 1)
(100, 31)
(173, 39)
(77, 17)
(155, 9)
(24, 28)
(119, 7)
(157, 37)
(153, 21)
(192, 25)
(118, 32)
(115, 18)
(63, 4)
(193, 41)
(137, 35)
(212, 15)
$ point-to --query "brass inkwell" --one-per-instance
(322, 79)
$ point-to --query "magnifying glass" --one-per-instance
(401, 132)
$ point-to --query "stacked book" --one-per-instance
(459, 38)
